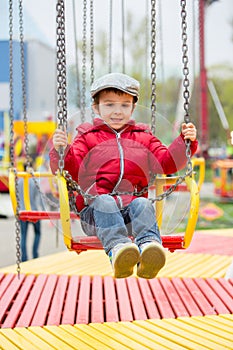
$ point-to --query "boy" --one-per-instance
(112, 160)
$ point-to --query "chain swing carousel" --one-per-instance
(43, 310)
(68, 188)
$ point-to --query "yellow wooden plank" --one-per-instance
(125, 329)
(211, 333)
(6, 344)
(120, 335)
(52, 340)
(227, 317)
(97, 334)
(41, 344)
(68, 338)
(219, 322)
(96, 343)
(97, 263)
(18, 339)
(160, 328)
(158, 341)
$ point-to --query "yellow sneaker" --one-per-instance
(152, 259)
(124, 256)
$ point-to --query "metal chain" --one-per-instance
(11, 109)
(12, 154)
(123, 34)
(153, 66)
(92, 75)
(186, 82)
(61, 75)
(23, 83)
(110, 38)
(84, 60)
(76, 54)
(73, 187)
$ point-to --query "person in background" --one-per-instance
(36, 205)
(112, 160)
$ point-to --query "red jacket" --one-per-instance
(102, 160)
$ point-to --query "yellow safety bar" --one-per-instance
(26, 176)
(64, 209)
(199, 162)
(193, 211)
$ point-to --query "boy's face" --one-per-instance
(115, 109)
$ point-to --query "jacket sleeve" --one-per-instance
(74, 155)
(169, 160)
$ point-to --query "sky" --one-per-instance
(39, 22)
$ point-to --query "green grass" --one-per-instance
(225, 221)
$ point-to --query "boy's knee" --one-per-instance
(104, 203)
(142, 202)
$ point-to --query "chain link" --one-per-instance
(23, 83)
(84, 61)
(110, 39)
(61, 75)
(12, 154)
(76, 54)
(123, 34)
(11, 109)
(186, 82)
(153, 66)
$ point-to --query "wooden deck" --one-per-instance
(70, 301)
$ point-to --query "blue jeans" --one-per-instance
(111, 225)
(37, 232)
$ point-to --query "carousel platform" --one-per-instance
(70, 301)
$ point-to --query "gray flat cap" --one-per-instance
(118, 81)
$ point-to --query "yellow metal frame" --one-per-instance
(64, 209)
(35, 127)
(199, 162)
(194, 204)
(26, 176)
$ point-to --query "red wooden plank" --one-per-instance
(227, 286)
(219, 291)
(2, 275)
(110, 300)
(173, 297)
(84, 300)
(6, 282)
(200, 299)
(136, 299)
(148, 299)
(41, 312)
(55, 312)
(97, 312)
(123, 300)
(9, 295)
(210, 295)
(69, 311)
(161, 299)
(32, 301)
(186, 297)
(15, 310)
